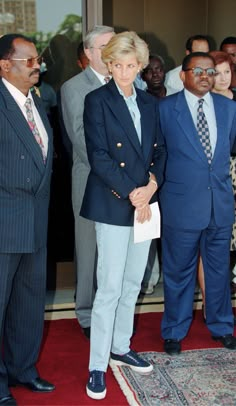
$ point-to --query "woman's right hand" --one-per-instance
(144, 214)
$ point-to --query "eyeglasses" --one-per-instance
(30, 62)
(199, 71)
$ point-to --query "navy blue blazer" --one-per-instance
(118, 162)
(192, 188)
(24, 179)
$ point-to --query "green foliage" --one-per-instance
(71, 27)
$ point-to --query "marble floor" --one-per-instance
(60, 300)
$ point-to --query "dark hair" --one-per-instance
(6, 44)
(198, 37)
(189, 57)
(154, 56)
(151, 57)
(80, 49)
(227, 41)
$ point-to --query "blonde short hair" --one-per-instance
(125, 43)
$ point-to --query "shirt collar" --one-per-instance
(99, 76)
(193, 100)
(133, 95)
(19, 97)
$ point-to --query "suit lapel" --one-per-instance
(92, 78)
(119, 108)
(146, 122)
(185, 121)
(44, 118)
(21, 127)
(221, 125)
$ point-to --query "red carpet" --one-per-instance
(64, 360)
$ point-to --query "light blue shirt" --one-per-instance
(208, 108)
(134, 110)
(140, 83)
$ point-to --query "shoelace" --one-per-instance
(134, 357)
(97, 378)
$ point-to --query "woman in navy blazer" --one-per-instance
(127, 156)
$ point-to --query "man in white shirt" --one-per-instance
(196, 43)
(199, 128)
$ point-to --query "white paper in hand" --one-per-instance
(149, 229)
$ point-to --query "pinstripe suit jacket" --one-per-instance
(24, 179)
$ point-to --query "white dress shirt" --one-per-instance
(20, 99)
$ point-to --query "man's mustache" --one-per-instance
(34, 71)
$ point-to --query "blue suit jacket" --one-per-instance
(24, 179)
(192, 187)
(118, 162)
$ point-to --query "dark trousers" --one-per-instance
(22, 301)
(180, 250)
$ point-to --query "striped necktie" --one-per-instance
(33, 127)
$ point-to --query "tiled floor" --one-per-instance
(60, 302)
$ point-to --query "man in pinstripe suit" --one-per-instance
(25, 171)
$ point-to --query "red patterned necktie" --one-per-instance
(33, 127)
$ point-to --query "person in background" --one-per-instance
(47, 94)
(154, 77)
(127, 158)
(229, 45)
(25, 173)
(223, 67)
(82, 60)
(73, 93)
(195, 43)
(197, 203)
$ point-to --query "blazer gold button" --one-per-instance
(122, 164)
(119, 145)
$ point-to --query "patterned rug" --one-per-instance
(199, 377)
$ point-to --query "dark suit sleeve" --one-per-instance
(233, 136)
(159, 157)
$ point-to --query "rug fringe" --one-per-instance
(129, 394)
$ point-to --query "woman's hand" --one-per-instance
(144, 214)
(141, 196)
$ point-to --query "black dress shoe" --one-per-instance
(8, 400)
(172, 346)
(86, 331)
(228, 341)
(36, 385)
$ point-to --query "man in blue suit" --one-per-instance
(197, 204)
(25, 172)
